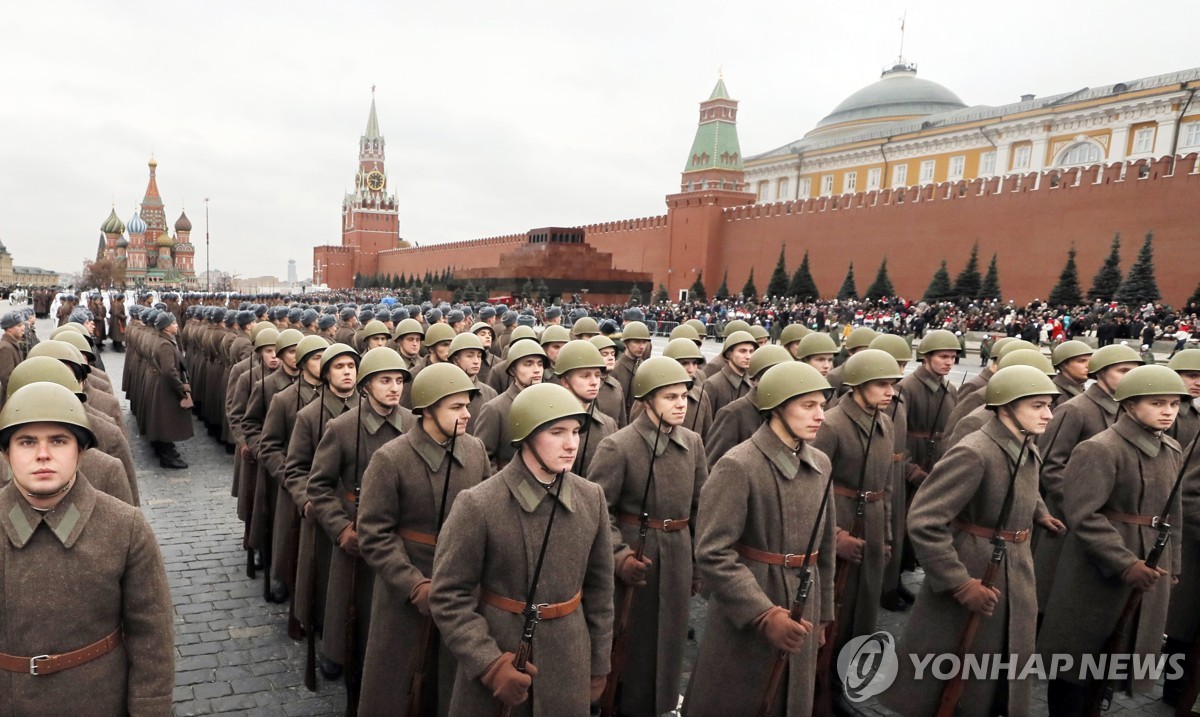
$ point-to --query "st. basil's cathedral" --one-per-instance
(150, 254)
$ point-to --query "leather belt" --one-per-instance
(351, 497)
(1008, 536)
(898, 457)
(935, 435)
(667, 525)
(415, 537)
(546, 611)
(871, 496)
(49, 664)
(788, 560)
(1150, 521)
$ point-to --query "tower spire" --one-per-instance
(372, 119)
(715, 161)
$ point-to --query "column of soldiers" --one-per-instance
(588, 490)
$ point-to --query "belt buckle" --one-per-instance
(787, 560)
(1154, 522)
(33, 667)
(1019, 536)
(537, 610)
(666, 525)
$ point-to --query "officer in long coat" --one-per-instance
(170, 402)
(738, 421)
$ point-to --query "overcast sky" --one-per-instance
(499, 117)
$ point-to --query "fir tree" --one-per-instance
(990, 289)
(1067, 291)
(1108, 280)
(723, 289)
(882, 286)
(750, 291)
(848, 290)
(967, 284)
(698, 292)
(527, 289)
(543, 291)
(939, 288)
(661, 297)
(778, 285)
(635, 296)
(1140, 287)
(802, 287)
(1194, 301)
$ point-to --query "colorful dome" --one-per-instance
(183, 224)
(122, 242)
(165, 239)
(113, 225)
(136, 225)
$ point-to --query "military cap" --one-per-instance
(326, 322)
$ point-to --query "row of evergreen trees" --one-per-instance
(1137, 287)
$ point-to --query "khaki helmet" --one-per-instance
(683, 331)
(818, 342)
(765, 358)
(1068, 350)
(699, 326)
(584, 326)
(77, 340)
(1017, 381)
(1027, 357)
(735, 325)
(437, 381)
(374, 327)
(439, 333)
(44, 402)
(525, 349)
(335, 350)
(1106, 356)
(938, 340)
(62, 351)
(654, 373)
(683, 349)
(759, 332)
(1186, 360)
(785, 381)
(1014, 345)
(465, 341)
(539, 405)
(521, 333)
(267, 337)
(555, 334)
(308, 346)
(899, 347)
(70, 326)
(1150, 381)
(870, 365)
(793, 333)
(379, 360)
(44, 368)
(287, 339)
(860, 338)
(578, 354)
(482, 326)
(635, 330)
(999, 344)
(602, 342)
(408, 326)
(736, 338)
(260, 327)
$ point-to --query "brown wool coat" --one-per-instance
(612, 401)
(978, 382)
(734, 423)
(602, 426)
(235, 404)
(104, 402)
(264, 484)
(964, 407)
(1129, 470)
(898, 412)
(10, 355)
(967, 425)
(273, 447)
(402, 489)
(699, 417)
(970, 484)
(659, 618)
(106, 474)
(762, 495)
(930, 402)
(117, 319)
(112, 441)
(1183, 620)
(623, 373)
(1067, 389)
(93, 558)
(491, 427)
(843, 438)
(485, 394)
(167, 421)
(491, 540)
(725, 387)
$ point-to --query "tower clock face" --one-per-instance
(375, 181)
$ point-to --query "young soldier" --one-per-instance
(612, 396)
(757, 510)
(525, 363)
(791, 335)
(408, 489)
(970, 400)
(951, 526)
(635, 336)
(731, 382)
(487, 336)
(895, 596)
(407, 340)
(976, 419)
(373, 335)
(1070, 359)
(817, 350)
(580, 369)
(738, 421)
(656, 444)
(437, 343)
(931, 399)
(241, 384)
(857, 340)
(467, 352)
(96, 609)
(485, 562)
(553, 338)
(499, 378)
(699, 413)
(735, 325)
(990, 367)
(1113, 491)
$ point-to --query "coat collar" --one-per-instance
(646, 429)
(529, 492)
(1069, 387)
(1002, 437)
(1145, 441)
(927, 377)
(372, 421)
(734, 380)
(337, 405)
(430, 451)
(856, 413)
(66, 521)
(1101, 398)
(783, 458)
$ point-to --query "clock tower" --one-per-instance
(370, 221)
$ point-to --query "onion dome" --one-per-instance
(136, 225)
(113, 225)
(122, 242)
(183, 224)
(165, 239)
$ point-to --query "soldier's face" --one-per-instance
(1109, 377)
(17, 332)
(469, 360)
(803, 415)
(342, 374)
(312, 366)
(440, 351)
(1075, 368)
(449, 415)
(610, 357)
(269, 359)
(939, 363)
(670, 402)
(821, 362)
(691, 366)
(410, 344)
(793, 347)
(528, 371)
(485, 337)
(739, 356)
(374, 342)
(1155, 412)
(43, 457)
(288, 357)
(557, 444)
(876, 393)
(1191, 379)
(385, 388)
(552, 350)
(636, 347)
(1032, 414)
(584, 382)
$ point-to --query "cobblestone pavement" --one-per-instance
(233, 655)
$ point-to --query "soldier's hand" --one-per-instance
(348, 540)
(633, 571)
(916, 475)
(507, 683)
(697, 586)
(596, 689)
(887, 553)
(307, 507)
(850, 548)
(1141, 576)
(420, 597)
(245, 451)
(186, 402)
(782, 632)
(1054, 525)
(974, 596)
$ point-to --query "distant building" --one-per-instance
(11, 276)
(152, 257)
(292, 272)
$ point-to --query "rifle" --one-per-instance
(699, 404)
(798, 605)
(952, 691)
(532, 612)
(1099, 692)
(931, 442)
(620, 648)
(348, 669)
(582, 457)
(823, 697)
(295, 629)
(429, 632)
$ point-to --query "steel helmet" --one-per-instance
(1027, 357)
(1106, 356)
(380, 360)
(860, 338)
(584, 326)
(267, 337)
(786, 381)
(1014, 345)
(999, 344)
(465, 341)
(408, 326)
(1017, 381)
(77, 340)
(682, 349)
(899, 347)
(635, 330)
(43, 368)
(1186, 360)
(735, 325)
(1150, 381)
(602, 342)
(683, 331)
(62, 351)
(578, 354)
(538, 405)
(938, 340)
(766, 357)
(525, 349)
(699, 326)
(437, 381)
(374, 327)
(44, 402)
(335, 350)
(520, 334)
(260, 327)
(482, 326)
(736, 338)
(308, 346)
(818, 342)
(654, 373)
(870, 365)
(554, 334)
(1069, 350)
(439, 333)
(759, 332)
(793, 333)
(287, 339)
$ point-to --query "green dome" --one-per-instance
(113, 225)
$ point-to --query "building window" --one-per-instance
(987, 164)
(762, 191)
(900, 175)
(805, 188)
(1021, 157)
(827, 185)
(1143, 140)
(873, 177)
(1191, 134)
(1081, 153)
(781, 191)
(926, 171)
(850, 183)
(958, 166)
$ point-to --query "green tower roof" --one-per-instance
(719, 92)
(716, 144)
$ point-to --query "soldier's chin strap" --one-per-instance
(541, 463)
(30, 494)
(799, 442)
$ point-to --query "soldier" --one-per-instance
(760, 334)
(483, 571)
(585, 327)
(409, 488)
(1114, 488)
(857, 340)
(553, 338)
(509, 321)
(895, 596)
(96, 607)
(758, 509)
(817, 350)
(1070, 359)
(242, 378)
(437, 343)
(525, 365)
(969, 400)
(11, 354)
(636, 339)
(499, 378)
(790, 337)
(347, 325)
(612, 396)
(987, 488)
(170, 398)
(467, 352)
(580, 369)
(738, 421)
(979, 380)
(976, 419)
(731, 382)
(117, 319)
(736, 325)
(487, 337)
(931, 399)
(656, 448)
(699, 412)
(373, 335)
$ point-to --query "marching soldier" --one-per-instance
(731, 382)
(612, 396)
(973, 398)
(817, 350)
(585, 327)
(580, 369)
(895, 596)
(525, 363)
(11, 354)
(347, 325)
(736, 325)
(499, 378)
(467, 352)
(553, 338)
(738, 421)
(858, 339)
(699, 412)
(975, 420)
(791, 335)
(373, 335)
(1070, 359)
(635, 337)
